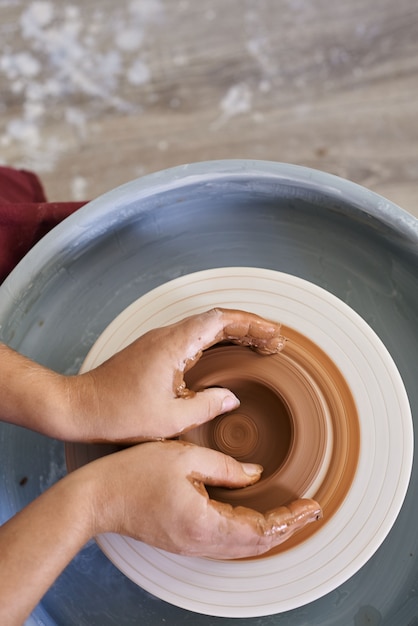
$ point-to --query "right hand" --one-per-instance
(155, 492)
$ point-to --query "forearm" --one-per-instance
(37, 544)
(32, 395)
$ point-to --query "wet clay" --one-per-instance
(297, 418)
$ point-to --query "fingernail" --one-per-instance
(229, 403)
(318, 514)
(252, 469)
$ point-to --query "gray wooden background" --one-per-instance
(94, 93)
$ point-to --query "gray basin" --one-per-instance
(342, 237)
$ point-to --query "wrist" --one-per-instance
(83, 488)
(96, 497)
(104, 484)
(82, 409)
(32, 395)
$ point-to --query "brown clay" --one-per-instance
(297, 418)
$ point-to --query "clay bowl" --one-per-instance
(297, 418)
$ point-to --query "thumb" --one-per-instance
(207, 404)
(220, 470)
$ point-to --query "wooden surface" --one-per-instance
(95, 92)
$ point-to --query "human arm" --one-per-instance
(38, 542)
(116, 493)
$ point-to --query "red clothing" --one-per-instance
(25, 215)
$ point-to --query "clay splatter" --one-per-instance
(75, 56)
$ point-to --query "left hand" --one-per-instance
(139, 394)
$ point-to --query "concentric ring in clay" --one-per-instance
(297, 418)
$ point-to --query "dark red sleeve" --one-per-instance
(25, 215)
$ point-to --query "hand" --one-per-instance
(155, 492)
(139, 394)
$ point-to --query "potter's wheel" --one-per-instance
(353, 243)
(352, 451)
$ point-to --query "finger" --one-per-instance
(243, 532)
(252, 330)
(203, 406)
(206, 329)
(293, 517)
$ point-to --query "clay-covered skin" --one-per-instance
(183, 519)
(237, 327)
(139, 393)
(297, 418)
